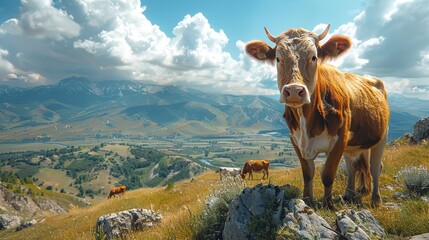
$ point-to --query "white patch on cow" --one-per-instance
(311, 147)
(352, 156)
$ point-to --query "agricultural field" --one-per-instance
(90, 169)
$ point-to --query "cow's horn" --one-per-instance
(323, 35)
(272, 39)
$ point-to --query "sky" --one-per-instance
(200, 44)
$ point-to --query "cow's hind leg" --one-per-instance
(363, 165)
(376, 154)
(350, 192)
(357, 163)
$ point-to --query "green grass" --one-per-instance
(186, 199)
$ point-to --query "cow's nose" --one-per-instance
(295, 94)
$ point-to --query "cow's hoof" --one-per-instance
(329, 205)
(351, 199)
(376, 201)
(309, 201)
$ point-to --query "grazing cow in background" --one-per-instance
(328, 111)
(255, 166)
(227, 171)
(117, 191)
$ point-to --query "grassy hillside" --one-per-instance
(183, 200)
(90, 172)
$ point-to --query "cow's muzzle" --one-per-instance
(295, 95)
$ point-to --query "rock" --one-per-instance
(424, 198)
(424, 236)
(26, 225)
(120, 223)
(272, 205)
(359, 225)
(421, 130)
(8, 221)
(390, 188)
(305, 223)
(392, 205)
(399, 196)
(21, 203)
(50, 205)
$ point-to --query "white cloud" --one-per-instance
(391, 35)
(401, 86)
(133, 47)
(40, 19)
(113, 39)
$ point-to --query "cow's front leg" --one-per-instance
(330, 169)
(307, 167)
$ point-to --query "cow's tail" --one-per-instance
(362, 166)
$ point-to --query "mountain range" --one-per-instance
(77, 108)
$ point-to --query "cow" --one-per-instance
(227, 171)
(328, 111)
(255, 166)
(117, 191)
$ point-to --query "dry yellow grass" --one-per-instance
(187, 197)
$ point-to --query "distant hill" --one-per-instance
(404, 112)
(77, 108)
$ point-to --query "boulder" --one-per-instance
(50, 205)
(270, 212)
(258, 212)
(421, 130)
(121, 223)
(21, 203)
(359, 225)
(8, 221)
(424, 236)
(26, 225)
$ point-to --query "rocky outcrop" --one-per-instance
(26, 225)
(272, 203)
(8, 221)
(26, 206)
(266, 212)
(421, 130)
(359, 225)
(21, 202)
(121, 223)
(51, 206)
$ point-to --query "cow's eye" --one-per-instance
(314, 58)
(278, 60)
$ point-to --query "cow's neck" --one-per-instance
(310, 125)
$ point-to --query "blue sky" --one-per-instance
(200, 44)
(245, 20)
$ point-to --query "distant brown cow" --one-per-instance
(255, 166)
(117, 190)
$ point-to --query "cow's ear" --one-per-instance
(334, 47)
(261, 51)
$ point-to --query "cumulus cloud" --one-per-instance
(195, 56)
(113, 39)
(39, 18)
(390, 39)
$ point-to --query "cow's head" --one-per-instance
(296, 54)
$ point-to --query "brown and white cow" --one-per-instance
(228, 171)
(255, 166)
(328, 111)
(117, 190)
